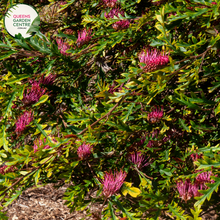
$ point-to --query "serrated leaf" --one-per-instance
(196, 213)
(119, 205)
(15, 196)
(35, 25)
(129, 112)
(7, 111)
(21, 41)
(177, 212)
(39, 44)
(184, 126)
(208, 192)
(7, 54)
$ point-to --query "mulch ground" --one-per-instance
(46, 203)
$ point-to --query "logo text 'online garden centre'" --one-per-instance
(18, 19)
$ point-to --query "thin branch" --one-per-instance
(21, 178)
(106, 115)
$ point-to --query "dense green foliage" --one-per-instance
(103, 96)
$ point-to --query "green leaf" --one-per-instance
(184, 126)
(111, 210)
(39, 44)
(128, 214)
(129, 112)
(21, 41)
(47, 159)
(177, 212)
(7, 54)
(208, 163)
(208, 192)
(7, 111)
(67, 4)
(3, 140)
(35, 25)
(160, 28)
(39, 127)
(198, 13)
(196, 213)
(15, 196)
(217, 109)
(37, 176)
(42, 99)
(17, 79)
(128, 189)
(117, 39)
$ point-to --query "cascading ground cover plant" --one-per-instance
(119, 99)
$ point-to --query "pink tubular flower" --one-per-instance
(203, 178)
(33, 95)
(48, 80)
(138, 159)
(153, 59)
(113, 88)
(195, 157)
(113, 182)
(23, 121)
(186, 190)
(38, 143)
(109, 3)
(84, 151)
(63, 47)
(119, 25)
(84, 37)
(155, 115)
(5, 169)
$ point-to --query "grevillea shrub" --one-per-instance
(118, 99)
